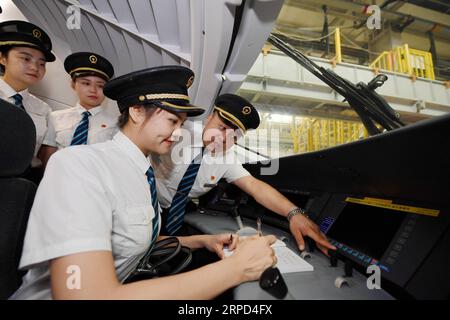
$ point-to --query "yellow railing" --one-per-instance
(413, 62)
(337, 45)
(317, 134)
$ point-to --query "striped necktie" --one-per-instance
(81, 133)
(155, 221)
(18, 101)
(155, 205)
(177, 209)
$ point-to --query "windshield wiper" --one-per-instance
(371, 108)
(254, 151)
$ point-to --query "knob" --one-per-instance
(272, 281)
(305, 255)
(339, 282)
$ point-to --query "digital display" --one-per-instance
(366, 229)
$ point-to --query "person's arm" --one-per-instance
(98, 280)
(212, 242)
(271, 199)
(44, 154)
(49, 145)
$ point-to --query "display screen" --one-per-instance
(367, 229)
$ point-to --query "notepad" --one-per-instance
(288, 260)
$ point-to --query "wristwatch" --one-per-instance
(295, 212)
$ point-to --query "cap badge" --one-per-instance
(246, 110)
(93, 59)
(37, 33)
(190, 82)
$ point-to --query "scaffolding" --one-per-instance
(313, 134)
(416, 63)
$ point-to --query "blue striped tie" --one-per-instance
(18, 101)
(155, 222)
(81, 133)
(155, 204)
(175, 216)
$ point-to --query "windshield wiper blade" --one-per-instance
(368, 105)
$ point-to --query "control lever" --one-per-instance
(348, 268)
(341, 281)
(235, 211)
(272, 281)
(219, 192)
(311, 244)
(210, 185)
(333, 258)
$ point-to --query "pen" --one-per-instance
(258, 226)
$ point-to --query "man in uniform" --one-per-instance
(206, 159)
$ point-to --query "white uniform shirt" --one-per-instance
(63, 123)
(170, 168)
(37, 109)
(92, 198)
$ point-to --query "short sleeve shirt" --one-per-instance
(36, 108)
(63, 123)
(170, 168)
(92, 198)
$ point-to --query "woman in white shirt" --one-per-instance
(96, 212)
(88, 122)
(24, 51)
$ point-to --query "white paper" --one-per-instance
(288, 260)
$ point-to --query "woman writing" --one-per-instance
(96, 213)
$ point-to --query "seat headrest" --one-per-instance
(17, 140)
